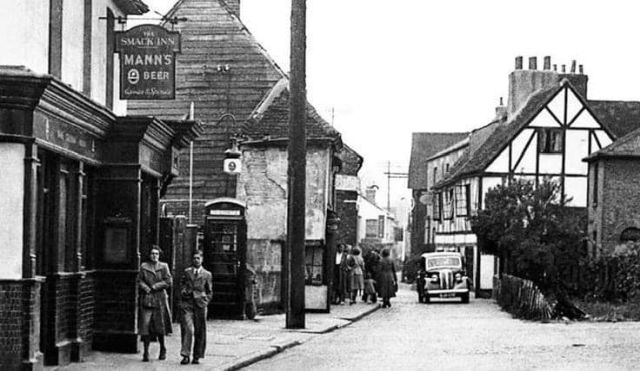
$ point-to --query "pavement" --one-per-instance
(231, 344)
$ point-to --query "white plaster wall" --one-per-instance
(603, 138)
(486, 271)
(99, 55)
(501, 163)
(550, 163)
(263, 186)
(347, 182)
(577, 148)
(25, 24)
(528, 162)
(11, 209)
(576, 188)
(73, 43)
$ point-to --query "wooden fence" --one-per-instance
(522, 298)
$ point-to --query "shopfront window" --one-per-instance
(314, 263)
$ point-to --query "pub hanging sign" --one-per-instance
(147, 62)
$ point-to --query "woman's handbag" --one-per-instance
(149, 301)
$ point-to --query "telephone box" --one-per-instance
(225, 246)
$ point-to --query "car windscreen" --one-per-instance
(443, 261)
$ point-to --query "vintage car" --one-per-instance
(442, 275)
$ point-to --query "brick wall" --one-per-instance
(418, 219)
(86, 313)
(11, 325)
(620, 201)
(348, 214)
(19, 324)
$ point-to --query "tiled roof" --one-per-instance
(135, 7)
(493, 138)
(627, 146)
(423, 146)
(271, 118)
(620, 117)
(351, 161)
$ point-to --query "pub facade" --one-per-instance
(81, 184)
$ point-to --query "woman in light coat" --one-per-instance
(356, 273)
(154, 279)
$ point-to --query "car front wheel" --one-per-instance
(465, 298)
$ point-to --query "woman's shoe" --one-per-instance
(163, 354)
(145, 357)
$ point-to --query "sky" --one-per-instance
(383, 69)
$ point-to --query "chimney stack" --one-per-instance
(547, 63)
(501, 110)
(533, 63)
(370, 193)
(518, 62)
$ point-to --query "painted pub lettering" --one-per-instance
(147, 60)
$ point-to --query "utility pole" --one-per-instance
(396, 175)
(297, 153)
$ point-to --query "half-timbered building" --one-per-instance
(545, 131)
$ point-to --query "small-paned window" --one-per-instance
(462, 200)
(314, 263)
(437, 206)
(435, 175)
(380, 226)
(371, 228)
(447, 207)
(550, 140)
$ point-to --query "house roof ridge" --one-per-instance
(243, 28)
(470, 163)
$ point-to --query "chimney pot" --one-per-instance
(501, 104)
(533, 63)
(518, 62)
(564, 68)
(547, 63)
(555, 68)
(581, 69)
(573, 66)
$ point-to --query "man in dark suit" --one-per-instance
(196, 291)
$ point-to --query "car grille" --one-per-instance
(446, 279)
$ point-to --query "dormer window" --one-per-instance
(550, 140)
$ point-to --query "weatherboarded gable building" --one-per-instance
(241, 96)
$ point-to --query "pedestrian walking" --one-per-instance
(369, 288)
(387, 281)
(153, 280)
(356, 272)
(372, 263)
(196, 290)
(340, 275)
